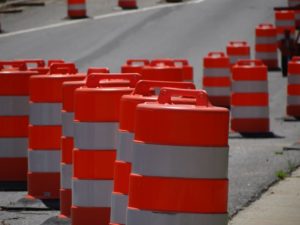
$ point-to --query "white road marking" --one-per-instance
(98, 18)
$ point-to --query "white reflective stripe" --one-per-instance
(285, 23)
(125, 146)
(45, 113)
(67, 124)
(76, 7)
(235, 58)
(95, 136)
(180, 161)
(266, 55)
(141, 217)
(14, 106)
(217, 91)
(216, 72)
(13, 147)
(249, 112)
(119, 203)
(66, 176)
(294, 79)
(293, 99)
(250, 86)
(265, 40)
(92, 193)
(44, 161)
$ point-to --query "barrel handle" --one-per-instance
(97, 70)
(162, 62)
(216, 54)
(200, 95)
(63, 68)
(37, 62)
(250, 62)
(93, 80)
(183, 62)
(55, 61)
(144, 62)
(266, 25)
(238, 43)
(143, 87)
(20, 64)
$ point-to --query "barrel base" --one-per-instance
(294, 111)
(65, 202)
(44, 185)
(250, 125)
(13, 169)
(90, 216)
(222, 101)
(57, 220)
(128, 4)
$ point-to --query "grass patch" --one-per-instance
(278, 153)
(281, 174)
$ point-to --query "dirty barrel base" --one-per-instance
(291, 119)
(31, 203)
(57, 220)
(13, 186)
(253, 135)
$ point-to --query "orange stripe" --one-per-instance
(293, 110)
(13, 169)
(249, 99)
(121, 177)
(44, 185)
(90, 216)
(90, 164)
(178, 195)
(216, 81)
(90, 102)
(173, 126)
(44, 137)
(252, 73)
(65, 202)
(47, 88)
(220, 100)
(14, 126)
(266, 48)
(162, 74)
(294, 89)
(67, 145)
(250, 125)
(15, 83)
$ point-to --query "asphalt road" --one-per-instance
(183, 31)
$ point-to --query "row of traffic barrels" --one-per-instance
(109, 147)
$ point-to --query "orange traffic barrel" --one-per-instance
(216, 78)
(13, 65)
(14, 114)
(266, 45)
(134, 65)
(142, 93)
(77, 9)
(180, 168)
(67, 141)
(45, 133)
(250, 98)
(293, 88)
(128, 4)
(163, 70)
(237, 50)
(284, 20)
(95, 128)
